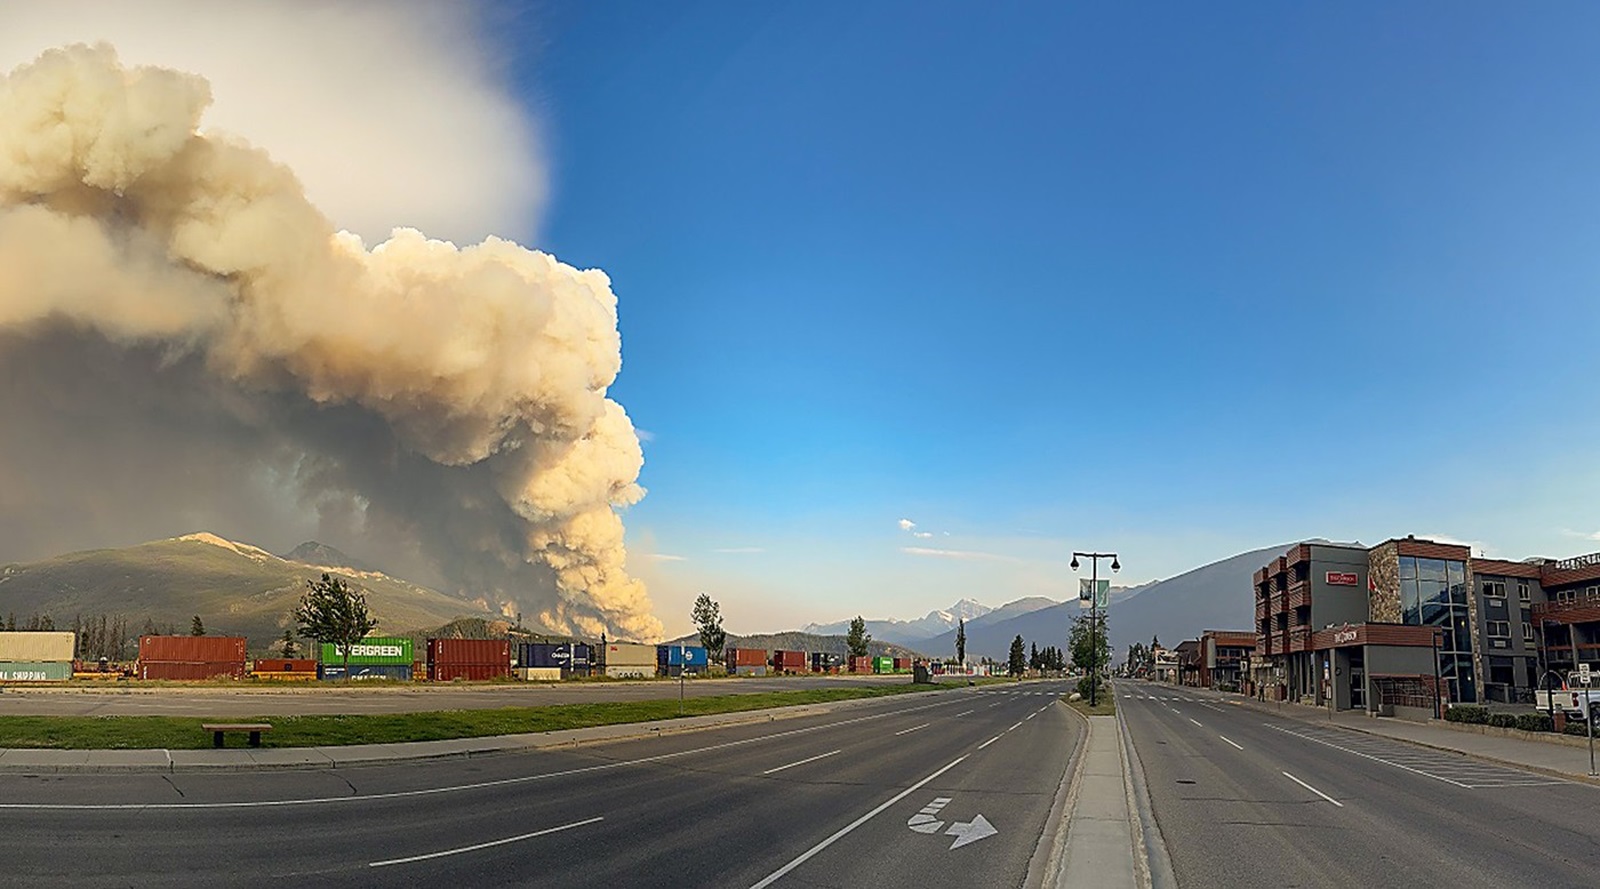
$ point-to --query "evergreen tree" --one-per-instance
(289, 647)
(1018, 662)
(961, 641)
(196, 628)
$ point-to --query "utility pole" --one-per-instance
(1094, 616)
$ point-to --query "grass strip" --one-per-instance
(1107, 706)
(184, 733)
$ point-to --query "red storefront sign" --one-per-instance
(1341, 578)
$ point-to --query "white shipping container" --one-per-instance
(627, 654)
(37, 646)
(616, 671)
(539, 674)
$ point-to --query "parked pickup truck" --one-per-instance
(1577, 703)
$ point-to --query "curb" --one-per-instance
(1045, 866)
(161, 761)
(1156, 870)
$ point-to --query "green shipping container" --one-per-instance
(373, 650)
(35, 671)
(883, 665)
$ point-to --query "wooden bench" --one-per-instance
(218, 729)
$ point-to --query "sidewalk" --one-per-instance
(33, 761)
(1554, 758)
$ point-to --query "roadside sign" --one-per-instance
(1583, 675)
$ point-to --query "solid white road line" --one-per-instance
(806, 855)
(907, 731)
(801, 762)
(1313, 790)
(1230, 741)
(988, 742)
(1195, 721)
(476, 846)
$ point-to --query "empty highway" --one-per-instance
(1246, 798)
(946, 789)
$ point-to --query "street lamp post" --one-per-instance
(1094, 618)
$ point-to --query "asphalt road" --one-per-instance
(829, 799)
(1245, 798)
(132, 700)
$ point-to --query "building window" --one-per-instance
(1499, 629)
(1527, 632)
(1523, 593)
(1566, 596)
(1592, 593)
(1494, 589)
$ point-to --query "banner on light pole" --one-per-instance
(1098, 590)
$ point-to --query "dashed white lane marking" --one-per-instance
(1313, 790)
(964, 713)
(1195, 721)
(806, 855)
(476, 846)
(1031, 715)
(988, 742)
(1230, 741)
(907, 731)
(801, 762)
(1017, 726)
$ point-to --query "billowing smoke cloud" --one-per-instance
(181, 330)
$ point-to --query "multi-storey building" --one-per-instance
(1409, 620)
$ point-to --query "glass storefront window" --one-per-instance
(1436, 615)
(1433, 591)
(1408, 567)
(1455, 572)
(1430, 569)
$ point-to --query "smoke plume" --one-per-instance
(184, 335)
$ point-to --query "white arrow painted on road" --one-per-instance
(923, 821)
(970, 831)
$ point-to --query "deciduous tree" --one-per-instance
(332, 612)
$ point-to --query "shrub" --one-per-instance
(1503, 720)
(1083, 688)
(1576, 727)
(1535, 722)
(1471, 715)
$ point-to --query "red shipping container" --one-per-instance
(470, 651)
(861, 665)
(282, 665)
(747, 657)
(789, 661)
(192, 649)
(191, 669)
(902, 663)
(469, 672)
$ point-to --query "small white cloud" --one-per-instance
(907, 524)
(645, 435)
(1581, 535)
(922, 534)
(663, 557)
(954, 554)
(740, 549)
(1476, 546)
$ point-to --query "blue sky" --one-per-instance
(1177, 280)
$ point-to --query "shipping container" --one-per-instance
(35, 671)
(630, 671)
(861, 664)
(392, 650)
(360, 672)
(301, 676)
(476, 652)
(554, 654)
(745, 657)
(691, 656)
(825, 662)
(34, 647)
(901, 664)
(746, 670)
(448, 672)
(883, 665)
(192, 649)
(539, 674)
(788, 662)
(283, 665)
(185, 670)
(628, 654)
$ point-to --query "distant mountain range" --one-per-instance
(907, 632)
(1213, 597)
(807, 642)
(235, 588)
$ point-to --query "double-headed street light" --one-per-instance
(1094, 618)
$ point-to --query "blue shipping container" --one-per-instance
(553, 654)
(693, 656)
(365, 671)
